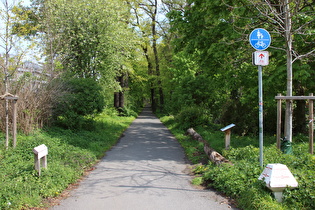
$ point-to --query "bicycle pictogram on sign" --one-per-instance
(260, 39)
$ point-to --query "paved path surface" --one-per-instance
(144, 171)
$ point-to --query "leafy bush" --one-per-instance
(128, 112)
(193, 116)
(241, 179)
(81, 100)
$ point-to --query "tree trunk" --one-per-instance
(121, 93)
(116, 100)
(119, 99)
(150, 73)
(155, 52)
(6, 69)
(214, 156)
(289, 103)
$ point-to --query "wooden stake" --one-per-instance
(279, 110)
(311, 125)
(14, 132)
(227, 139)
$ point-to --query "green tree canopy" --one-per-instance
(213, 36)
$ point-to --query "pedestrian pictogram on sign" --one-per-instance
(261, 58)
(260, 39)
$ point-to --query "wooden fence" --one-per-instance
(310, 99)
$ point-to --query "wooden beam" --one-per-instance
(311, 125)
(295, 97)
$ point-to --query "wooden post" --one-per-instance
(14, 132)
(40, 163)
(44, 161)
(311, 125)
(227, 139)
(7, 97)
(7, 138)
(279, 110)
(310, 99)
(227, 131)
(37, 163)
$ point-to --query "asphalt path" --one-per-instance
(146, 170)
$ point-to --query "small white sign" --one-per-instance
(261, 58)
(277, 177)
(40, 151)
(227, 127)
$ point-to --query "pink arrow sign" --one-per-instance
(261, 58)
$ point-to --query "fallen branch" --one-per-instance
(6, 95)
(213, 155)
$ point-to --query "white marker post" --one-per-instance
(260, 40)
(277, 178)
(40, 157)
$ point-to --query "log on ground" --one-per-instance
(213, 155)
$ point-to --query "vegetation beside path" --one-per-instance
(73, 152)
(240, 181)
(70, 153)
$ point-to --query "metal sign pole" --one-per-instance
(261, 134)
(260, 40)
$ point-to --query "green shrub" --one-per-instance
(257, 196)
(82, 98)
(240, 180)
(191, 117)
(128, 112)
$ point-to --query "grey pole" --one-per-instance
(261, 135)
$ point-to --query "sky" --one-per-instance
(20, 45)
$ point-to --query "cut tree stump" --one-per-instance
(213, 155)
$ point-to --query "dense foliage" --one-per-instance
(87, 40)
(81, 99)
(190, 59)
(212, 66)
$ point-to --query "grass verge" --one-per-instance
(70, 153)
(240, 181)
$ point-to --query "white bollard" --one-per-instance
(278, 177)
(40, 157)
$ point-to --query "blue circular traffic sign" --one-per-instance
(260, 39)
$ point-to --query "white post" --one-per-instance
(40, 152)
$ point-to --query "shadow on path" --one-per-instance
(145, 170)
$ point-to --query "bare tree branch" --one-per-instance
(311, 53)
